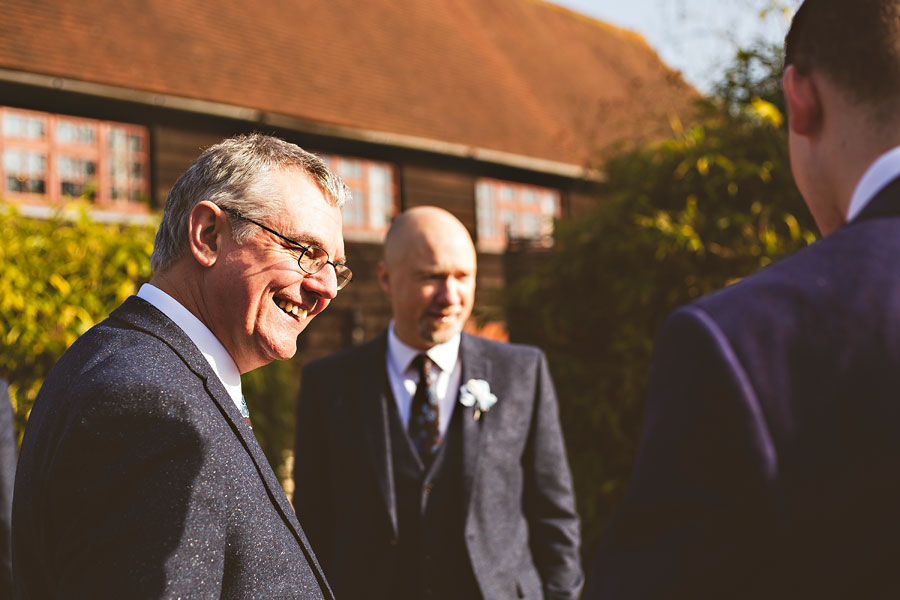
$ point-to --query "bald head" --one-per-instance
(425, 229)
(428, 272)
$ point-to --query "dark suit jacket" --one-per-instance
(7, 476)
(138, 478)
(770, 460)
(521, 530)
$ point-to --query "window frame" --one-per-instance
(496, 199)
(98, 152)
(367, 230)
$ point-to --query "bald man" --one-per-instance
(429, 462)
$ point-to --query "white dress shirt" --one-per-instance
(880, 173)
(209, 345)
(404, 378)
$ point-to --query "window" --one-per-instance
(22, 126)
(374, 202)
(507, 210)
(26, 172)
(50, 158)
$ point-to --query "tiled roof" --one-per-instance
(518, 76)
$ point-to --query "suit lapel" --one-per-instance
(372, 391)
(475, 365)
(140, 314)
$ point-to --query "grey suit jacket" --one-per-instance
(7, 475)
(521, 529)
(138, 478)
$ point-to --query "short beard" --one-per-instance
(439, 336)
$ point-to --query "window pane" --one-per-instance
(485, 204)
(77, 168)
(371, 184)
(23, 162)
(75, 133)
(25, 185)
(18, 126)
(116, 140)
(25, 171)
(354, 211)
(380, 198)
(511, 209)
(350, 169)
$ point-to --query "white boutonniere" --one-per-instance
(477, 391)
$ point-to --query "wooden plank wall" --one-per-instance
(455, 191)
(173, 151)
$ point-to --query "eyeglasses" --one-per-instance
(312, 258)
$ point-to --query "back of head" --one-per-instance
(855, 44)
(232, 175)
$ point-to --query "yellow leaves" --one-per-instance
(60, 284)
(675, 124)
(58, 278)
(793, 226)
(766, 111)
(131, 268)
(125, 289)
(703, 165)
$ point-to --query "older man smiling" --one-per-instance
(139, 476)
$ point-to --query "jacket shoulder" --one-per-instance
(503, 350)
(350, 357)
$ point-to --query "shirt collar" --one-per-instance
(212, 349)
(880, 173)
(444, 355)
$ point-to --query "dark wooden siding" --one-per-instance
(452, 190)
(173, 150)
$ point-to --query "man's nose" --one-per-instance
(323, 283)
(449, 292)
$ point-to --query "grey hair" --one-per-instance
(232, 175)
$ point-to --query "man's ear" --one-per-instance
(206, 225)
(803, 102)
(384, 277)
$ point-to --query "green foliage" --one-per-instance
(59, 278)
(755, 73)
(681, 218)
(271, 394)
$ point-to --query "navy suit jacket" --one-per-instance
(521, 529)
(769, 465)
(138, 478)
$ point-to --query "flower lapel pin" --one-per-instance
(477, 393)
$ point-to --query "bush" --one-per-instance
(60, 277)
(682, 217)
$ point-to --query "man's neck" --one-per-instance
(175, 282)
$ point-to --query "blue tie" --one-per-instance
(245, 412)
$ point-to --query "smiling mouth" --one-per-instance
(291, 308)
(443, 318)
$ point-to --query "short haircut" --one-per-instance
(232, 175)
(855, 43)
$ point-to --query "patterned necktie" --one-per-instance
(245, 412)
(424, 430)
